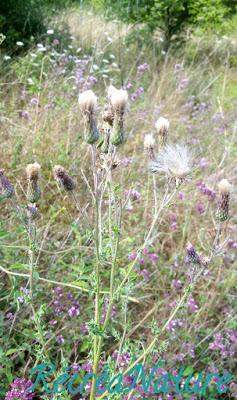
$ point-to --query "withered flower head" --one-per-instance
(33, 171)
(33, 189)
(63, 178)
(87, 102)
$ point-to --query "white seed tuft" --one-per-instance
(118, 99)
(174, 160)
(162, 125)
(87, 101)
(149, 142)
(224, 186)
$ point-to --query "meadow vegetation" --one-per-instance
(118, 210)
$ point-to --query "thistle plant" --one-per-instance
(162, 126)
(118, 100)
(224, 188)
(33, 187)
(88, 104)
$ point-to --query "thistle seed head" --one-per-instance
(63, 179)
(175, 161)
(162, 125)
(6, 188)
(118, 99)
(87, 102)
(224, 186)
(33, 171)
(149, 144)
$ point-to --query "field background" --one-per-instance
(193, 83)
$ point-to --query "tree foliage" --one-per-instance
(172, 16)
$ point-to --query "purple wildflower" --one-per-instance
(19, 389)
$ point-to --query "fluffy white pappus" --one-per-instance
(149, 141)
(111, 90)
(118, 99)
(174, 160)
(162, 125)
(224, 186)
(87, 101)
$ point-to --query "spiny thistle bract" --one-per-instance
(32, 212)
(88, 104)
(175, 161)
(192, 254)
(63, 179)
(162, 126)
(224, 188)
(33, 189)
(6, 188)
(118, 99)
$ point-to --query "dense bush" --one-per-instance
(171, 16)
(21, 19)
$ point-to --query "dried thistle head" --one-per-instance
(63, 179)
(87, 102)
(6, 188)
(118, 99)
(33, 171)
(162, 126)
(224, 188)
(149, 145)
(33, 189)
(108, 117)
(175, 161)
(108, 162)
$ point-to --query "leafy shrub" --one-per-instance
(21, 19)
(171, 16)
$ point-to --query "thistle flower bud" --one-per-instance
(33, 175)
(63, 178)
(149, 144)
(223, 207)
(88, 103)
(162, 126)
(192, 254)
(6, 188)
(32, 212)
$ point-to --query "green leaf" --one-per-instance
(81, 284)
(188, 371)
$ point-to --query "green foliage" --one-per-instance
(21, 19)
(171, 16)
